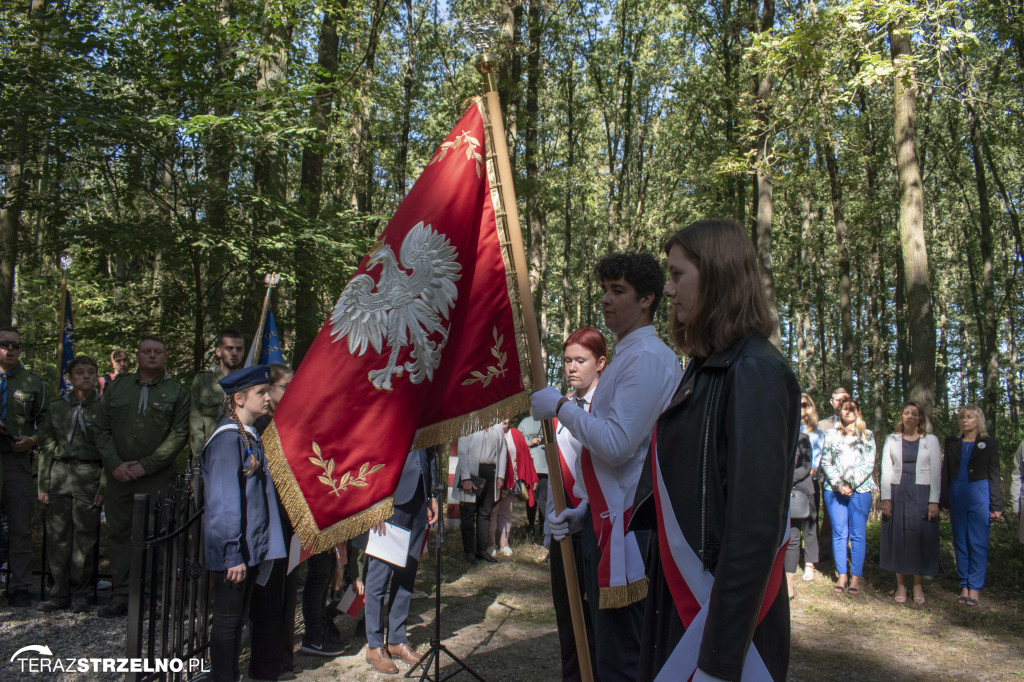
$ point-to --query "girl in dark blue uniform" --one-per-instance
(241, 522)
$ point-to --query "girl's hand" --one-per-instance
(886, 507)
(933, 511)
(996, 515)
(236, 574)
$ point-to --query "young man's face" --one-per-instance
(838, 399)
(152, 356)
(120, 363)
(10, 350)
(230, 352)
(624, 311)
(83, 377)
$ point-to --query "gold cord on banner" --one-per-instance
(617, 596)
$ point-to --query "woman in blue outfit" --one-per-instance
(848, 461)
(971, 490)
(241, 520)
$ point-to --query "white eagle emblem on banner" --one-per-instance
(409, 304)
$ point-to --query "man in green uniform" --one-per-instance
(141, 426)
(71, 483)
(207, 395)
(22, 408)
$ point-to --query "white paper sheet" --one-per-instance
(392, 547)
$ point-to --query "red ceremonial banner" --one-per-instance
(424, 344)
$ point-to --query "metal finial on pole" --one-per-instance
(271, 280)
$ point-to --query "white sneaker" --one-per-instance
(506, 551)
(809, 572)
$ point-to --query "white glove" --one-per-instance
(544, 402)
(569, 521)
(701, 676)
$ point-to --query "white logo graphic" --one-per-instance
(37, 648)
(408, 305)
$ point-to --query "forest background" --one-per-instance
(179, 151)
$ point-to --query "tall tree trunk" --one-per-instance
(989, 345)
(407, 83)
(307, 312)
(362, 157)
(765, 184)
(270, 173)
(534, 210)
(921, 319)
(510, 72)
(219, 148)
(843, 251)
(570, 165)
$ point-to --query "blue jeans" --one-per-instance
(849, 521)
(968, 512)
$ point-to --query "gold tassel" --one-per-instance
(451, 429)
(310, 535)
(617, 596)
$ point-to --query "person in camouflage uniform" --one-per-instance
(71, 485)
(207, 395)
(22, 408)
(141, 426)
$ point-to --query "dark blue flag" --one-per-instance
(270, 350)
(67, 347)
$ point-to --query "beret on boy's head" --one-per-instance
(244, 378)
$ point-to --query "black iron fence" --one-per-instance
(169, 600)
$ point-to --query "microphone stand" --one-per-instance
(436, 647)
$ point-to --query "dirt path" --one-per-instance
(498, 618)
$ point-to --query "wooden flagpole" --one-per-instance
(65, 264)
(256, 346)
(487, 65)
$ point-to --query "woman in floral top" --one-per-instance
(848, 460)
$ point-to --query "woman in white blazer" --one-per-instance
(911, 484)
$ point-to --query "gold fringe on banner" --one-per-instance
(617, 596)
(501, 224)
(478, 420)
(311, 536)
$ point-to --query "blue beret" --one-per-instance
(244, 378)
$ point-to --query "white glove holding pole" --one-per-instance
(569, 521)
(544, 403)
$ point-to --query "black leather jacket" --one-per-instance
(743, 406)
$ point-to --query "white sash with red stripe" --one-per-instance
(690, 586)
(621, 576)
(568, 453)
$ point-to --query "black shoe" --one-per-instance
(19, 599)
(115, 609)
(471, 559)
(80, 605)
(486, 557)
(54, 604)
(323, 648)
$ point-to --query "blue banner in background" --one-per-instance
(271, 348)
(68, 346)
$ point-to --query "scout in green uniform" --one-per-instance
(207, 395)
(22, 408)
(141, 426)
(71, 483)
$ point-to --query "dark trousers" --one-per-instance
(394, 584)
(230, 601)
(616, 631)
(19, 497)
(540, 499)
(272, 623)
(809, 527)
(825, 529)
(475, 517)
(319, 572)
(563, 614)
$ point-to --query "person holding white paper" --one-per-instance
(415, 509)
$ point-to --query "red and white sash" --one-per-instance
(620, 574)
(690, 586)
(568, 453)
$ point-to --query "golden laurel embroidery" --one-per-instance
(463, 138)
(492, 371)
(347, 479)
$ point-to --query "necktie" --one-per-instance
(3, 395)
(581, 401)
(77, 419)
